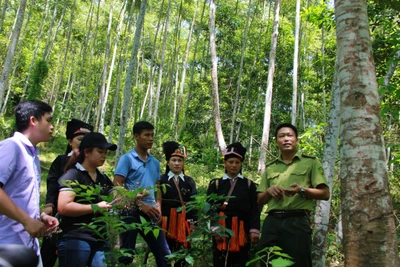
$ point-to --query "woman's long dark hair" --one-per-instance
(74, 159)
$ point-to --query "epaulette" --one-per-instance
(308, 156)
(271, 162)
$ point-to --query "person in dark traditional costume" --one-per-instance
(179, 188)
(239, 211)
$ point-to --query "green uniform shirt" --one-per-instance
(304, 170)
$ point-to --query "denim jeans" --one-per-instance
(158, 246)
(80, 253)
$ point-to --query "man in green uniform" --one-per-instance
(290, 185)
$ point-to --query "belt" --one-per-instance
(288, 213)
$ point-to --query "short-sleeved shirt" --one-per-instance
(139, 173)
(72, 226)
(20, 176)
(303, 170)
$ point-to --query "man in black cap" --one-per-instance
(75, 132)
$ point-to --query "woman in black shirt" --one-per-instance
(80, 246)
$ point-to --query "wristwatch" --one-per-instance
(302, 192)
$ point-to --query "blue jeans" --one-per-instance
(80, 253)
(158, 246)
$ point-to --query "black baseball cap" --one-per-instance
(94, 139)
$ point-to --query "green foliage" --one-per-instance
(108, 224)
(273, 256)
(39, 73)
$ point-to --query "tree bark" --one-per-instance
(268, 95)
(369, 230)
(11, 49)
(239, 79)
(160, 73)
(214, 77)
(128, 81)
(321, 220)
(296, 62)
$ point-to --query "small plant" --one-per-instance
(108, 224)
(272, 256)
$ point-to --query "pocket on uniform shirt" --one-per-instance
(299, 176)
(273, 178)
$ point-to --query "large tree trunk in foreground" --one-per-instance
(369, 231)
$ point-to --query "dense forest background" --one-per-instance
(112, 63)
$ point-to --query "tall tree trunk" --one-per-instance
(369, 230)
(3, 14)
(214, 77)
(185, 66)
(321, 220)
(107, 82)
(152, 68)
(61, 82)
(296, 63)
(239, 79)
(53, 18)
(160, 73)
(389, 73)
(11, 49)
(182, 128)
(36, 47)
(268, 95)
(128, 81)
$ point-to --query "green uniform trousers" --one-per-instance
(292, 234)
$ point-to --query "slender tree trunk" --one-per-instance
(185, 66)
(128, 81)
(53, 18)
(369, 230)
(11, 49)
(389, 73)
(61, 82)
(239, 79)
(3, 14)
(36, 47)
(268, 95)
(107, 56)
(182, 129)
(152, 68)
(160, 74)
(296, 62)
(321, 220)
(214, 77)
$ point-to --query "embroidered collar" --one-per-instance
(172, 175)
(226, 177)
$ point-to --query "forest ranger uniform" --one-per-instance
(287, 224)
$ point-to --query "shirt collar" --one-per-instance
(297, 155)
(26, 142)
(226, 177)
(80, 167)
(173, 175)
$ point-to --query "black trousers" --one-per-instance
(291, 234)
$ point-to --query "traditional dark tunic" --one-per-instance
(243, 204)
